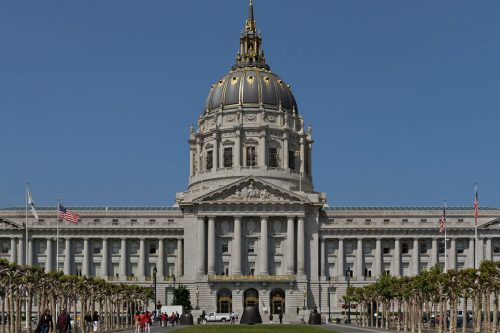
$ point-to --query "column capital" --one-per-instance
(211, 217)
(290, 218)
(265, 217)
(237, 217)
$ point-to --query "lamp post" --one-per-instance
(348, 275)
(329, 297)
(305, 295)
(155, 271)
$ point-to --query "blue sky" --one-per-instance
(96, 97)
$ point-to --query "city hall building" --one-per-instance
(250, 228)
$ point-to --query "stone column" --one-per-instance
(215, 160)
(488, 249)
(236, 251)
(67, 256)
(262, 148)
(285, 151)
(359, 260)
(22, 252)
(191, 162)
(123, 259)
(264, 248)
(30, 252)
(105, 259)
(322, 257)
(471, 254)
(452, 254)
(415, 257)
(396, 271)
(237, 149)
(198, 156)
(160, 261)
(49, 256)
(378, 258)
(201, 245)
(302, 154)
(142, 259)
(211, 245)
(434, 252)
(301, 246)
(13, 250)
(180, 258)
(340, 260)
(480, 250)
(290, 248)
(85, 262)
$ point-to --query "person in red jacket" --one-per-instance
(163, 319)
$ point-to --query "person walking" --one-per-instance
(88, 322)
(95, 319)
(63, 322)
(281, 317)
(46, 322)
(147, 322)
(137, 322)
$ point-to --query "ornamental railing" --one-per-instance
(263, 278)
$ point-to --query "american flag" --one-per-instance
(442, 221)
(65, 214)
(476, 205)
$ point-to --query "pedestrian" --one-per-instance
(95, 319)
(177, 318)
(163, 319)
(142, 321)
(46, 322)
(271, 317)
(281, 317)
(233, 317)
(88, 322)
(147, 322)
(137, 322)
(63, 322)
(172, 319)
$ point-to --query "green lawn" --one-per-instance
(252, 329)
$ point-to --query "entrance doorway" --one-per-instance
(224, 301)
(251, 298)
(277, 301)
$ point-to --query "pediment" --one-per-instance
(494, 224)
(8, 224)
(251, 189)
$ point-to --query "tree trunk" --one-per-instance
(466, 314)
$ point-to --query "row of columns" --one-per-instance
(105, 267)
(263, 250)
(415, 256)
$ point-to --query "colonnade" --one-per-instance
(263, 254)
(434, 256)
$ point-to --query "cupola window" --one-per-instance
(210, 160)
(291, 160)
(251, 157)
(228, 157)
(273, 157)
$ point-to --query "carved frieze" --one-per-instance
(251, 191)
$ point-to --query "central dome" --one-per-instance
(251, 87)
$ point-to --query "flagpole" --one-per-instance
(476, 263)
(57, 234)
(26, 228)
(445, 242)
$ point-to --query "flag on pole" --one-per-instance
(32, 205)
(442, 221)
(66, 215)
(476, 205)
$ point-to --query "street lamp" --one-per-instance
(348, 275)
(305, 295)
(155, 271)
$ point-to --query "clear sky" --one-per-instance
(96, 97)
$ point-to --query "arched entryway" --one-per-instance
(277, 301)
(251, 298)
(224, 301)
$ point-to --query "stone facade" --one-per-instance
(250, 229)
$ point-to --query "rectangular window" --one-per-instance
(228, 157)
(152, 248)
(423, 220)
(210, 160)
(273, 157)
(368, 221)
(225, 247)
(97, 247)
(251, 157)
(78, 270)
(386, 221)
(115, 247)
(460, 246)
(251, 246)
(291, 160)
(4, 247)
(387, 250)
(423, 248)
(441, 247)
(404, 248)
